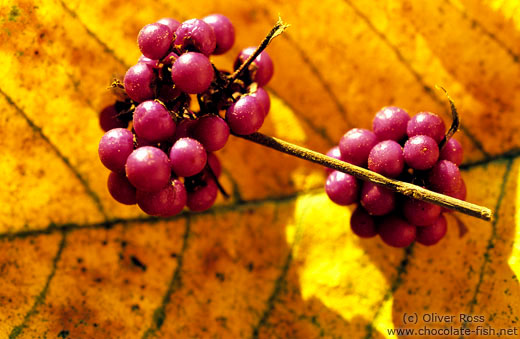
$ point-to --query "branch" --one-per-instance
(401, 187)
(278, 29)
(454, 124)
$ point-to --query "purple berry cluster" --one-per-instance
(406, 149)
(166, 161)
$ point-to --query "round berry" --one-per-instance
(445, 177)
(170, 58)
(452, 151)
(108, 119)
(185, 128)
(192, 73)
(420, 213)
(342, 188)
(460, 193)
(421, 152)
(168, 93)
(148, 169)
(390, 123)
(426, 123)
(262, 97)
(335, 153)
(115, 147)
(430, 235)
(168, 201)
(195, 35)
(212, 132)
(260, 70)
(154, 40)
(245, 116)
(386, 158)
(188, 157)
(150, 62)
(224, 32)
(214, 164)
(203, 196)
(121, 189)
(356, 144)
(170, 22)
(396, 232)
(362, 224)
(377, 200)
(138, 81)
(153, 122)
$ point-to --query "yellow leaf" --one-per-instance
(278, 259)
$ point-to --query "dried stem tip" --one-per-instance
(278, 29)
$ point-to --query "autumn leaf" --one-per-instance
(277, 260)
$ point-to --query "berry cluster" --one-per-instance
(406, 149)
(166, 160)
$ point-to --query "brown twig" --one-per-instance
(401, 187)
(278, 29)
(454, 124)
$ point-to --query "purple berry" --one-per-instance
(224, 32)
(377, 200)
(203, 197)
(212, 132)
(148, 169)
(445, 177)
(192, 73)
(356, 144)
(138, 81)
(188, 157)
(153, 122)
(121, 189)
(262, 97)
(390, 123)
(396, 232)
(333, 153)
(342, 188)
(426, 123)
(108, 119)
(214, 164)
(170, 58)
(150, 62)
(421, 152)
(460, 193)
(245, 116)
(168, 92)
(430, 235)
(115, 147)
(184, 128)
(140, 141)
(170, 22)
(154, 40)
(386, 158)
(362, 224)
(420, 213)
(195, 35)
(260, 70)
(452, 151)
(168, 201)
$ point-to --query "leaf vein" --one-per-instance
(491, 240)
(427, 89)
(159, 315)
(38, 130)
(40, 298)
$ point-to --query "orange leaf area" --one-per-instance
(277, 259)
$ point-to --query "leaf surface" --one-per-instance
(277, 260)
